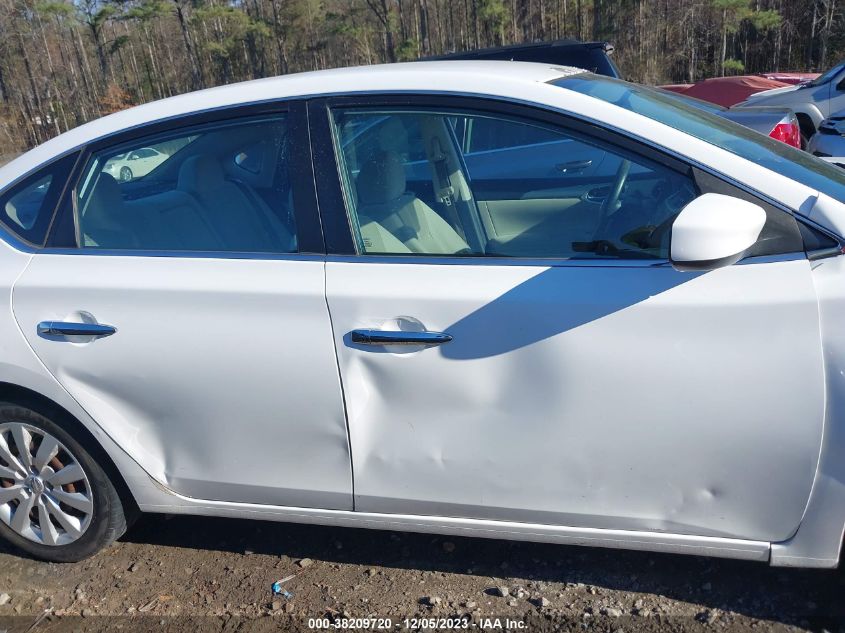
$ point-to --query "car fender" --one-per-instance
(811, 110)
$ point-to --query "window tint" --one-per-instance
(187, 193)
(499, 186)
(27, 208)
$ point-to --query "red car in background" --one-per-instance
(725, 92)
(728, 91)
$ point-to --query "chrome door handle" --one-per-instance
(63, 328)
(390, 337)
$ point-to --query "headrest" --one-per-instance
(200, 173)
(381, 179)
(392, 135)
(105, 200)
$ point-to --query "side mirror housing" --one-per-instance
(713, 231)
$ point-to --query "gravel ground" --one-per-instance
(194, 573)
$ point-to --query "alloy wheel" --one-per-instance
(45, 495)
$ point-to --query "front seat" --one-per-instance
(382, 199)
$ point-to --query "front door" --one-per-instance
(519, 348)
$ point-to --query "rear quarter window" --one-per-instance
(27, 208)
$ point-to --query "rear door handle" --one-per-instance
(63, 328)
(390, 337)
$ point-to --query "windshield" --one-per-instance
(830, 74)
(737, 139)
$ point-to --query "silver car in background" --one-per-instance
(811, 101)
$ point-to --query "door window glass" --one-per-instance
(27, 208)
(453, 183)
(192, 192)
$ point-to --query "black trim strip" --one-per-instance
(708, 264)
(337, 230)
(309, 230)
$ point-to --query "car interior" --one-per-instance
(420, 184)
(225, 189)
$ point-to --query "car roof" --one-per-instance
(493, 78)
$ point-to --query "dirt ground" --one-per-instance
(197, 574)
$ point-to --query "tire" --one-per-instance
(125, 174)
(95, 519)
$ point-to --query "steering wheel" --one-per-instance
(610, 203)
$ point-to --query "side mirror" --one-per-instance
(713, 231)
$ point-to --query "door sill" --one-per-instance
(482, 528)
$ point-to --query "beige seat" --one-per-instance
(385, 206)
(105, 219)
(163, 221)
(236, 214)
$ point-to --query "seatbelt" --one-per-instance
(443, 190)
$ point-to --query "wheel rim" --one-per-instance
(125, 174)
(44, 491)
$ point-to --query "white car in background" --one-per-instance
(500, 299)
(135, 164)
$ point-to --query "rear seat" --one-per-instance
(165, 221)
(236, 214)
(173, 221)
(206, 213)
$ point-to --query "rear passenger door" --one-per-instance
(184, 309)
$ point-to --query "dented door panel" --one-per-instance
(637, 398)
(221, 380)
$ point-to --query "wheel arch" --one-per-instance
(806, 123)
(19, 395)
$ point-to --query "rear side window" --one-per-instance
(223, 187)
(26, 209)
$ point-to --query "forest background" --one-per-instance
(65, 62)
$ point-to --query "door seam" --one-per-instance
(339, 380)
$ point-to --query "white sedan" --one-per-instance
(488, 298)
(135, 164)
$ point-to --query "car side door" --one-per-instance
(186, 312)
(563, 373)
